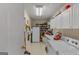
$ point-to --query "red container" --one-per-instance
(57, 37)
(67, 6)
(47, 33)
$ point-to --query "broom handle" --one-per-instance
(25, 40)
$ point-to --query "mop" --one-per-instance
(25, 52)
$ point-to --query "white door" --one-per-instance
(36, 34)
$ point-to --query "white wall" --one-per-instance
(3, 28)
(16, 28)
(11, 28)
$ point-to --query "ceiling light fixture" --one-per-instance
(39, 10)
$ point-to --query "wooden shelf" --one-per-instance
(43, 28)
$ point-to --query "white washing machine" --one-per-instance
(62, 47)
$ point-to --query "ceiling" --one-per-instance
(49, 10)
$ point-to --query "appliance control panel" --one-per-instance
(71, 41)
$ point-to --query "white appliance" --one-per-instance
(36, 34)
(65, 46)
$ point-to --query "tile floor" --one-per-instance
(36, 48)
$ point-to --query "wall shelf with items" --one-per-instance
(43, 27)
